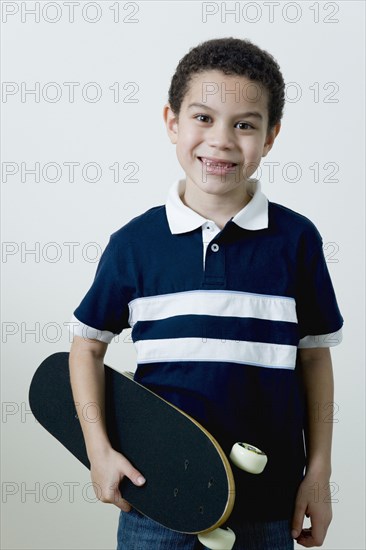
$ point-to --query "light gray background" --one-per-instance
(39, 290)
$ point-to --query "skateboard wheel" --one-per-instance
(248, 458)
(219, 539)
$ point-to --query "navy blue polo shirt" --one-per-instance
(217, 316)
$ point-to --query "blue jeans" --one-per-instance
(136, 532)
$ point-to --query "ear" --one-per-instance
(271, 136)
(171, 122)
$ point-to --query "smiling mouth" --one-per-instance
(216, 163)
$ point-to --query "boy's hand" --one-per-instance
(312, 500)
(107, 470)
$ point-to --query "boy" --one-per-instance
(231, 305)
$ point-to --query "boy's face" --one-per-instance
(223, 126)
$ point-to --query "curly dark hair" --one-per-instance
(232, 56)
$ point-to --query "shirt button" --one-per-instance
(214, 247)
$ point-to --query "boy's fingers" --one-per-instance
(297, 522)
(318, 534)
(137, 479)
(114, 497)
(122, 503)
(134, 475)
(306, 539)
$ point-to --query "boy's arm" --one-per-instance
(107, 466)
(86, 364)
(313, 498)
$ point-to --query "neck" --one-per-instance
(218, 208)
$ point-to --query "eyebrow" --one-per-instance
(255, 114)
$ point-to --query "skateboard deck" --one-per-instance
(189, 482)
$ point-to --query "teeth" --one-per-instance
(217, 164)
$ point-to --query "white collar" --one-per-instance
(181, 218)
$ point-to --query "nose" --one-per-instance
(220, 136)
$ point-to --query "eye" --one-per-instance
(202, 116)
(247, 126)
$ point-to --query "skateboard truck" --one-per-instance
(251, 460)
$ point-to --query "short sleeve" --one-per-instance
(103, 312)
(319, 319)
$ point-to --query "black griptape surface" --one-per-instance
(187, 487)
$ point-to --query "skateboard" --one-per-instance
(189, 480)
